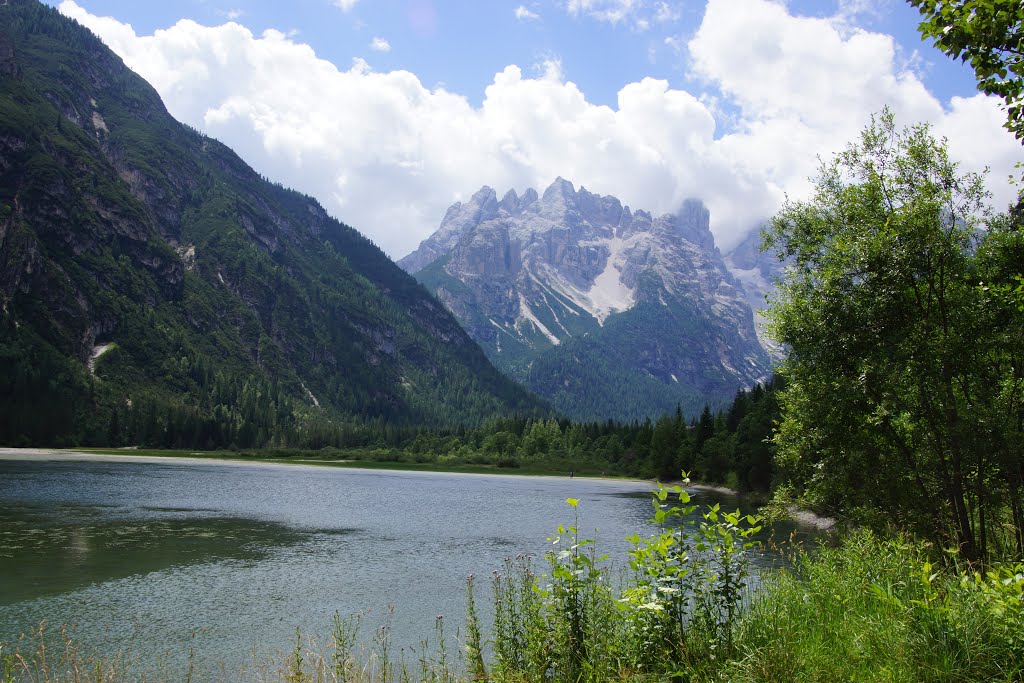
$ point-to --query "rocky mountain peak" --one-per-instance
(510, 202)
(542, 273)
(559, 203)
(529, 197)
(458, 220)
(559, 188)
(599, 210)
(694, 223)
(486, 199)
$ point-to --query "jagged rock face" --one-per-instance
(550, 283)
(757, 271)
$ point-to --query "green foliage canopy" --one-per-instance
(989, 34)
(903, 396)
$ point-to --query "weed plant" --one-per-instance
(675, 609)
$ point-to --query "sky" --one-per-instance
(388, 111)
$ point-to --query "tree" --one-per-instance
(704, 429)
(990, 35)
(664, 445)
(901, 397)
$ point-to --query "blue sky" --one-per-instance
(462, 44)
(388, 111)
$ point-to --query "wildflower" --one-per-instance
(653, 606)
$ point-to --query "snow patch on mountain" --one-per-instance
(609, 294)
(526, 316)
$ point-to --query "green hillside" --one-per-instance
(230, 310)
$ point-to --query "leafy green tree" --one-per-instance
(899, 403)
(989, 34)
(501, 443)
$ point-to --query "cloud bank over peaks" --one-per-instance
(388, 155)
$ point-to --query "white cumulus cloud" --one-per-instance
(380, 45)
(640, 14)
(805, 87)
(345, 5)
(525, 14)
(388, 155)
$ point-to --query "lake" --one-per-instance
(152, 555)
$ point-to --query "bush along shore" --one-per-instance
(865, 609)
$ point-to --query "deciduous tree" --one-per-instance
(988, 34)
(903, 378)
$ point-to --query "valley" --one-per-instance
(753, 422)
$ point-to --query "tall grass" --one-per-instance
(867, 609)
(876, 609)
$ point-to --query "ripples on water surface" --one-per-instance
(138, 555)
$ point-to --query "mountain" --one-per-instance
(155, 289)
(757, 271)
(603, 311)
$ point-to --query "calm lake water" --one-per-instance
(138, 554)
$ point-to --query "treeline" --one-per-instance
(730, 447)
(230, 410)
(233, 412)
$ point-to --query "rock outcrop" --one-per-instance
(758, 272)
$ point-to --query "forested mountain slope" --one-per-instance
(155, 289)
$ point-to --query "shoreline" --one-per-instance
(801, 517)
(198, 457)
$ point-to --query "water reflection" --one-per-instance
(60, 554)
